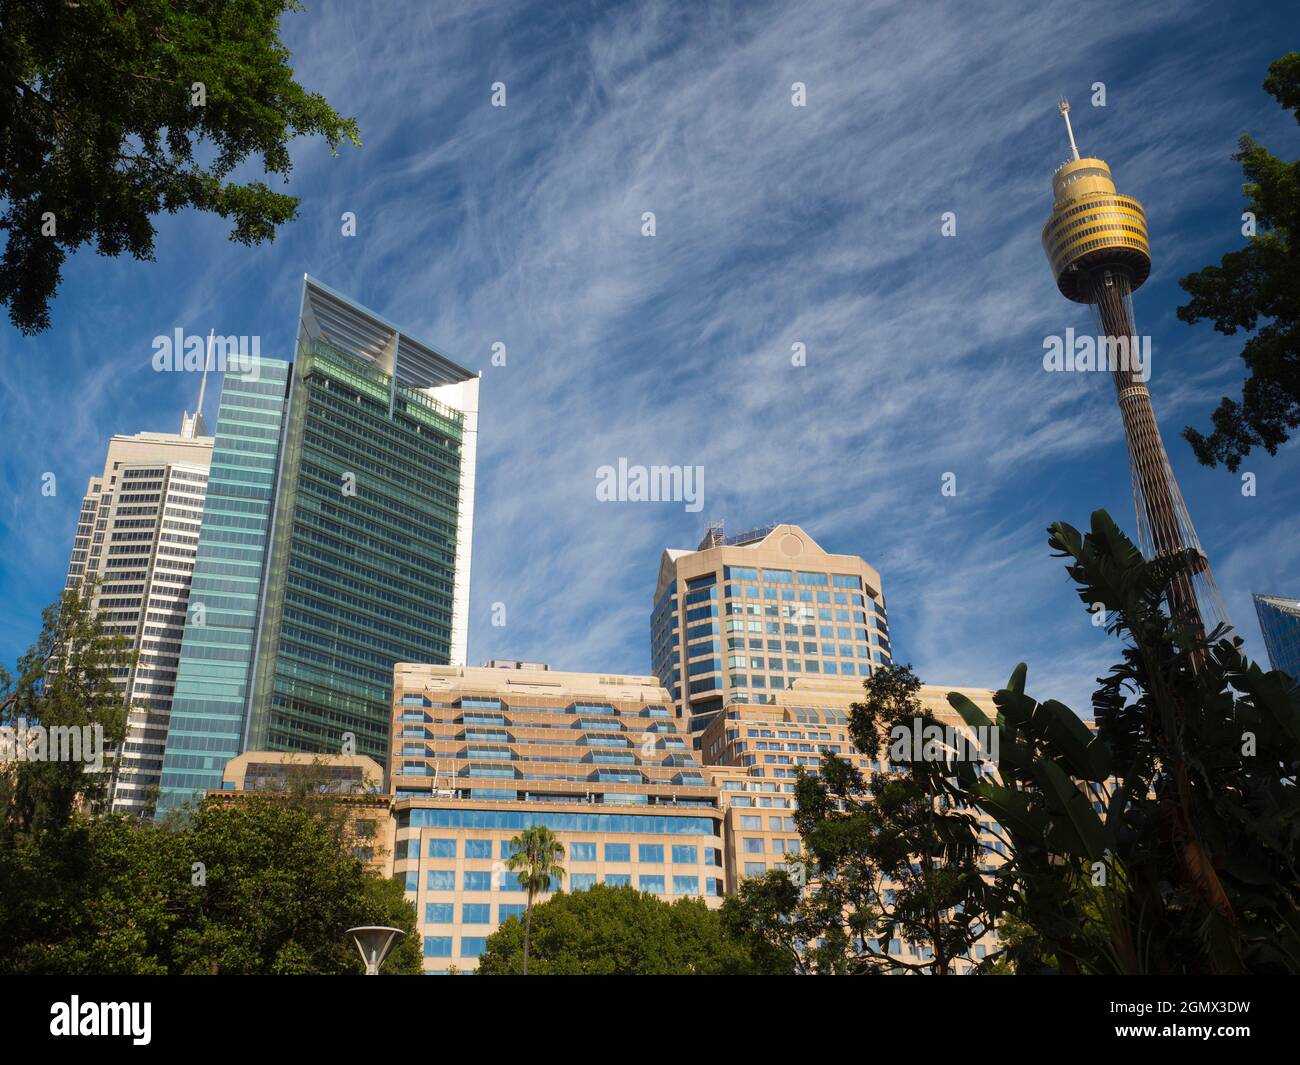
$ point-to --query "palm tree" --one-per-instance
(536, 858)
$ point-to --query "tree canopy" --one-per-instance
(112, 112)
(64, 681)
(887, 856)
(257, 885)
(1256, 289)
(619, 931)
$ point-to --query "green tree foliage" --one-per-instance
(274, 891)
(1257, 289)
(536, 860)
(893, 857)
(111, 112)
(99, 896)
(282, 886)
(607, 931)
(64, 681)
(1193, 865)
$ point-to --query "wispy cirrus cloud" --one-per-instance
(775, 224)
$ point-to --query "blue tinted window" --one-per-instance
(582, 852)
(476, 913)
(618, 879)
(437, 946)
(686, 885)
(437, 913)
(472, 946)
(441, 880)
(558, 822)
(581, 881)
(510, 909)
(685, 855)
(618, 852)
(478, 848)
(478, 881)
(442, 848)
(652, 884)
(650, 852)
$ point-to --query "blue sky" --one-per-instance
(775, 225)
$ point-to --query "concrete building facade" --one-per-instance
(478, 754)
(133, 555)
(350, 786)
(754, 752)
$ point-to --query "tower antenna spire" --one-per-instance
(1064, 108)
(192, 427)
(203, 381)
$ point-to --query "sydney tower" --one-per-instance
(1096, 243)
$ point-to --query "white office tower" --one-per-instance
(137, 537)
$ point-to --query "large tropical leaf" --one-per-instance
(1089, 835)
(1065, 731)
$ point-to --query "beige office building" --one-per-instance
(138, 533)
(352, 785)
(479, 754)
(753, 754)
(743, 617)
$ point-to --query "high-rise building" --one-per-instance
(212, 687)
(1279, 621)
(1096, 242)
(134, 556)
(742, 617)
(335, 543)
(478, 754)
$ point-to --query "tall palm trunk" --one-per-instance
(528, 928)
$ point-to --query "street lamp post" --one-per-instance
(374, 942)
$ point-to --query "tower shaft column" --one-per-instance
(1161, 513)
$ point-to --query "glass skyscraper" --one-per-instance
(335, 543)
(1279, 620)
(221, 623)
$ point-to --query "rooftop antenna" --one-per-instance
(192, 427)
(207, 358)
(1064, 107)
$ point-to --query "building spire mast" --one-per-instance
(195, 426)
(1064, 108)
(203, 381)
